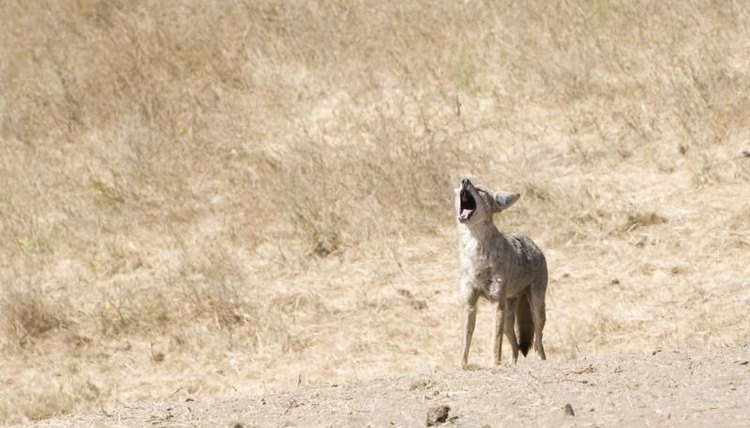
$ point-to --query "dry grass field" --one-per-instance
(202, 198)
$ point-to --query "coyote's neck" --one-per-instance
(479, 238)
(483, 232)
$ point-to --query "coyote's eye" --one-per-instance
(467, 207)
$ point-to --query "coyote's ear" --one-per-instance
(501, 201)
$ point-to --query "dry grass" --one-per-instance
(28, 315)
(253, 195)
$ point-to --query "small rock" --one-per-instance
(437, 415)
(569, 410)
(678, 270)
(238, 425)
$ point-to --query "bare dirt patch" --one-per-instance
(674, 388)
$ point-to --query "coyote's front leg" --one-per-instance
(499, 328)
(470, 320)
(497, 295)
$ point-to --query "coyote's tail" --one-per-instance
(525, 324)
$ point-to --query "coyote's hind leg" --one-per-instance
(539, 315)
(509, 325)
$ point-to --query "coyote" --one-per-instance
(510, 271)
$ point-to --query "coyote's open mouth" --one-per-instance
(468, 206)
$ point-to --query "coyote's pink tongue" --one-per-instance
(465, 213)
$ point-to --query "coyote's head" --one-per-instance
(475, 205)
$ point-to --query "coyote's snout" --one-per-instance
(510, 271)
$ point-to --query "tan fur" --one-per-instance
(510, 271)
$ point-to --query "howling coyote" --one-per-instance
(510, 271)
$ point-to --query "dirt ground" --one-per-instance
(661, 388)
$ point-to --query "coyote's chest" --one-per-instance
(479, 266)
(475, 257)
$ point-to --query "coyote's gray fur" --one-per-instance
(510, 271)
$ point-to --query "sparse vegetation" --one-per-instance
(246, 188)
(27, 314)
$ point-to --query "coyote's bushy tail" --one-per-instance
(525, 324)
